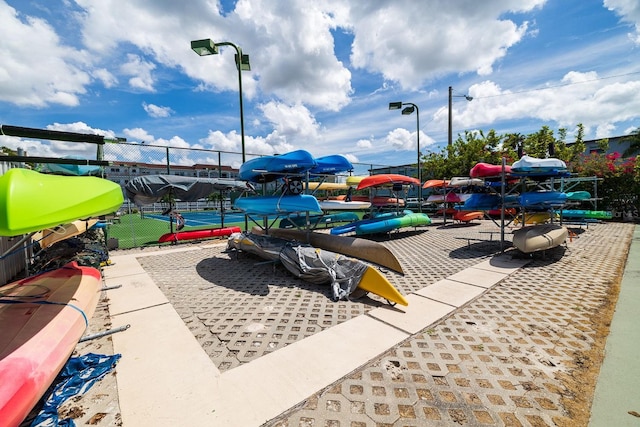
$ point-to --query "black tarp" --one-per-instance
(145, 190)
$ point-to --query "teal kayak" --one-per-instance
(383, 223)
(31, 201)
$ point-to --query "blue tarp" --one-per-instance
(77, 376)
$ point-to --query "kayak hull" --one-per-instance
(38, 338)
(356, 247)
(198, 234)
(31, 201)
(270, 205)
(270, 168)
(536, 238)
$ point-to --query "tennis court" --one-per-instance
(201, 218)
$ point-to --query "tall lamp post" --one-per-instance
(409, 109)
(451, 96)
(208, 47)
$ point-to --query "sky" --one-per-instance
(322, 73)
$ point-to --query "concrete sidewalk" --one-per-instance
(486, 340)
(616, 396)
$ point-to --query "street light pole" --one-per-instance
(208, 47)
(406, 111)
(450, 128)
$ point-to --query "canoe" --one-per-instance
(269, 168)
(42, 318)
(435, 183)
(343, 205)
(487, 170)
(386, 179)
(356, 247)
(292, 221)
(32, 201)
(543, 199)
(465, 216)
(50, 236)
(540, 237)
(198, 234)
(320, 266)
(269, 205)
(531, 166)
(331, 165)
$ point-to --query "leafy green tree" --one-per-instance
(634, 144)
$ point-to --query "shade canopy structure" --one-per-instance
(145, 190)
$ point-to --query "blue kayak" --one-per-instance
(482, 201)
(331, 165)
(543, 199)
(270, 168)
(270, 205)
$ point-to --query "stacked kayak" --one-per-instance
(531, 166)
(269, 168)
(273, 205)
(331, 165)
(487, 170)
(31, 201)
(543, 199)
(386, 179)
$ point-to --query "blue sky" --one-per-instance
(323, 72)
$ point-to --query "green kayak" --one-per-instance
(32, 201)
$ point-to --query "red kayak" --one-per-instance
(386, 179)
(467, 216)
(198, 234)
(486, 170)
(41, 318)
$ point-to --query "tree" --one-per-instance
(634, 144)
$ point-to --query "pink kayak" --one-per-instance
(198, 234)
(41, 318)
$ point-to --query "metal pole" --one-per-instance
(419, 168)
(450, 129)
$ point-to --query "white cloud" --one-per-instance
(156, 111)
(391, 39)
(141, 72)
(629, 11)
(54, 75)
